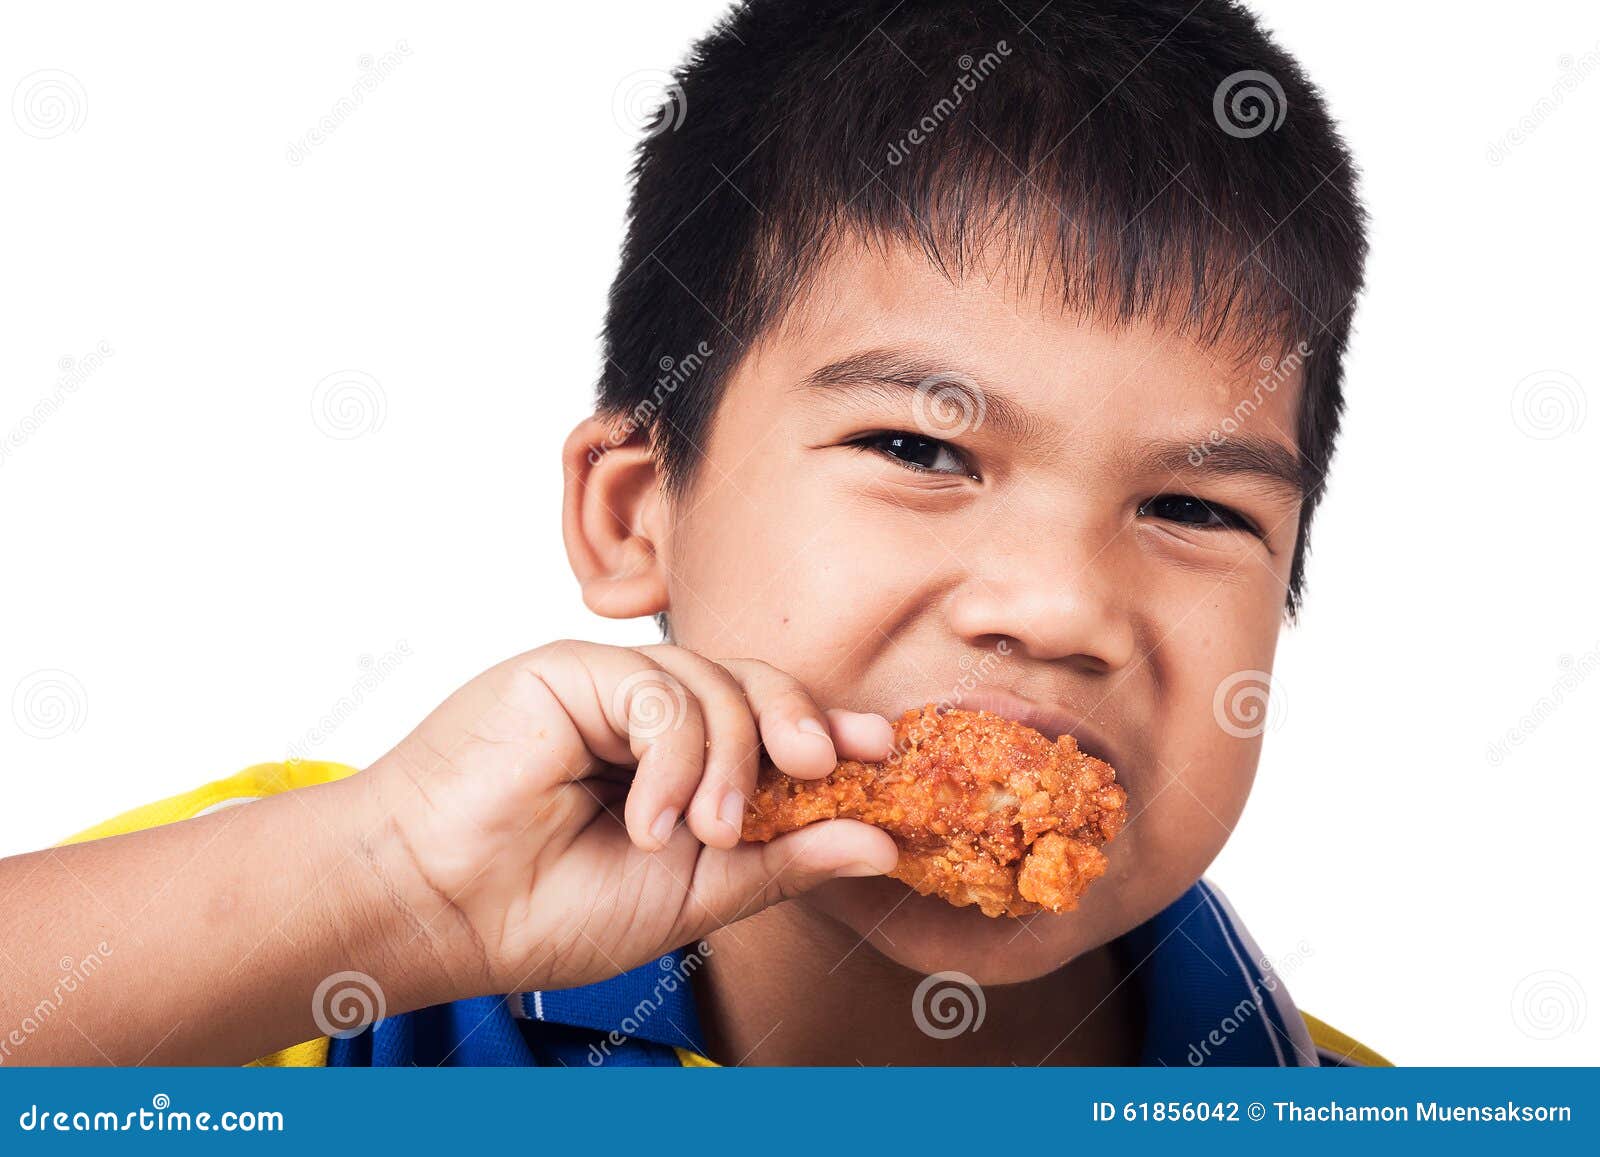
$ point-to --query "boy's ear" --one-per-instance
(611, 522)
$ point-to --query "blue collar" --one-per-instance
(1210, 998)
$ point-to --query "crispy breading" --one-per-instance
(985, 810)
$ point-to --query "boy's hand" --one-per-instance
(575, 811)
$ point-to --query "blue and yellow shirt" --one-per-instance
(1210, 995)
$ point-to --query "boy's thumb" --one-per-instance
(753, 876)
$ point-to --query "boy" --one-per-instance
(1004, 353)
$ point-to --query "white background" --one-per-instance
(209, 567)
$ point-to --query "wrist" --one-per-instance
(410, 929)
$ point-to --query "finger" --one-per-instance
(793, 728)
(667, 736)
(860, 734)
(733, 745)
(731, 885)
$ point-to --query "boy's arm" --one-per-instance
(568, 814)
(211, 935)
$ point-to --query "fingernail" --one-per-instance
(732, 810)
(813, 726)
(885, 733)
(661, 830)
(859, 868)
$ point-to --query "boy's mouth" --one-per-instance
(1051, 722)
(984, 809)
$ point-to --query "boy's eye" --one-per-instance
(916, 452)
(1192, 511)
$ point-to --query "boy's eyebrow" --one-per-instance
(1263, 458)
(1267, 459)
(943, 385)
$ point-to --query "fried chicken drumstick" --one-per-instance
(985, 811)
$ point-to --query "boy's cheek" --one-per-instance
(795, 582)
(1191, 820)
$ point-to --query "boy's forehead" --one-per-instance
(1015, 338)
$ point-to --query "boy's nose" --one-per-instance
(1050, 612)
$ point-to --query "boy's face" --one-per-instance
(1028, 561)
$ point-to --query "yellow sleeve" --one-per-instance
(1325, 1036)
(252, 783)
(263, 779)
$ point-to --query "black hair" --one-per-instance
(1157, 158)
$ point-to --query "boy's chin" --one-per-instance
(927, 935)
